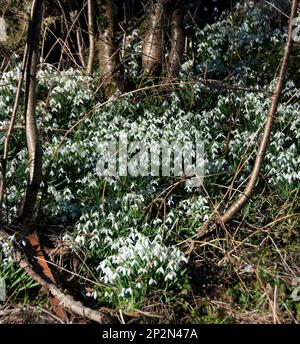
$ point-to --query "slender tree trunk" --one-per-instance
(108, 55)
(80, 46)
(91, 30)
(32, 132)
(177, 44)
(153, 42)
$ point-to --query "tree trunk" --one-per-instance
(177, 44)
(32, 133)
(108, 55)
(91, 30)
(153, 42)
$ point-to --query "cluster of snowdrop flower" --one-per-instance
(139, 264)
(8, 88)
(133, 50)
(130, 263)
(222, 43)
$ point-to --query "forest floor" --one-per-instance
(244, 286)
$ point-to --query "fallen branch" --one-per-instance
(65, 301)
(33, 249)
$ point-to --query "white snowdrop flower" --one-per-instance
(122, 294)
(122, 270)
(133, 263)
(170, 276)
(160, 270)
(80, 240)
(152, 282)
(128, 291)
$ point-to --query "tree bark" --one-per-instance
(153, 42)
(177, 44)
(108, 55)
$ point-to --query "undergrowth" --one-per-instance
(126, 230)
